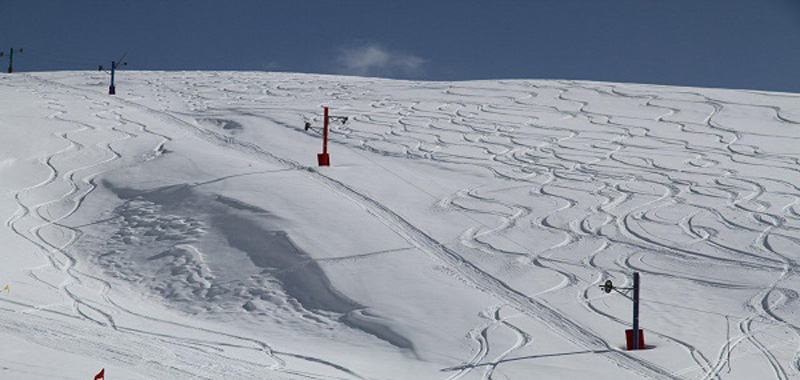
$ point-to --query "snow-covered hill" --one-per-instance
(182, 229)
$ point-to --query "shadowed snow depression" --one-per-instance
(181, 229)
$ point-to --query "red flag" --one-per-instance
(101, 375)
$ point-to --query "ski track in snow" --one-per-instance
(101, 311)
(545, 138)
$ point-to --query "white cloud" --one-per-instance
(375, 60)
(270, 66)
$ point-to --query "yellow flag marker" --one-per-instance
(6, 289)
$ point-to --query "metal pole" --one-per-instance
(11, 61)
(111, 89)
(636, 310)
(325, 134)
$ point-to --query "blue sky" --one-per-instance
(710, 43)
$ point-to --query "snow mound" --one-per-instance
(181, 229)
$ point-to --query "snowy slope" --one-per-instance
(182, 230)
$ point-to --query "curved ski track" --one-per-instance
(101, 310)
(556, 139)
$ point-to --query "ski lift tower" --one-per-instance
(323, 159)
(11, 59)
(112, 90)
(634, 337)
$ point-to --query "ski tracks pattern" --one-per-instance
(617, 178)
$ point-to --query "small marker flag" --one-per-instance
(7, 289)
(101, 375)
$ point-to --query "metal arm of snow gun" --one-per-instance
(115, 64)
(608, 287)
(341, 119)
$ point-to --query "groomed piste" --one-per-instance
(182, 229)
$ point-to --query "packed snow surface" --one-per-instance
(183, 230)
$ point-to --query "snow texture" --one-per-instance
(182, 229)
